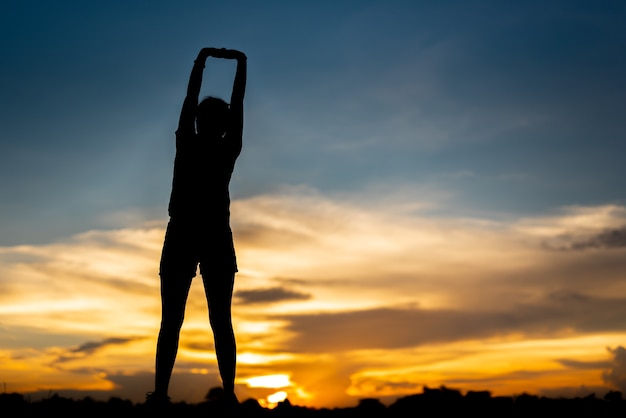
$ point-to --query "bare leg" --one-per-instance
(219, 293)
(173, 299)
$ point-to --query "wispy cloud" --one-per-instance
(610, 238)
(594, 365)
(89, 348)
(388, 328)
(269, 295)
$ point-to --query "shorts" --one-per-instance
(188, 244)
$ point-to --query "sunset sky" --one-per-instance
(429, 193)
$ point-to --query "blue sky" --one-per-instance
(452, 164)
(510, 107)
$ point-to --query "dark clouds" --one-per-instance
(612, 238)
(91, 347)
(576, 364)
(269, 295)
(389, 328)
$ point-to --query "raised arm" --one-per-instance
(239, 90)
(186, 123)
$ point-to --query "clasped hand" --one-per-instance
(222, 53)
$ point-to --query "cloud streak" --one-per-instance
(270, 295)
(389, 328)
(610, 238)
(89, 348)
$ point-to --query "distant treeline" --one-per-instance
(441, 402)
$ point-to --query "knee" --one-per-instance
(172, 322)
(221, 322)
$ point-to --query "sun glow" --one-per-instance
(272, 400)
(259, 358)
(273, 381)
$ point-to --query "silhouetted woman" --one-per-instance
(208, 141)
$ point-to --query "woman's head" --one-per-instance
(212, 117)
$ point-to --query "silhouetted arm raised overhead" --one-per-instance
(239, 90)
(187, 120)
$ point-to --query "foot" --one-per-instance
(231, 399)
(224, 402)
(157, 400)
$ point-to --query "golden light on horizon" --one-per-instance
(251, 358)
(274, 381)
(272, 400)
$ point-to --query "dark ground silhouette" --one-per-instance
(441, 402)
